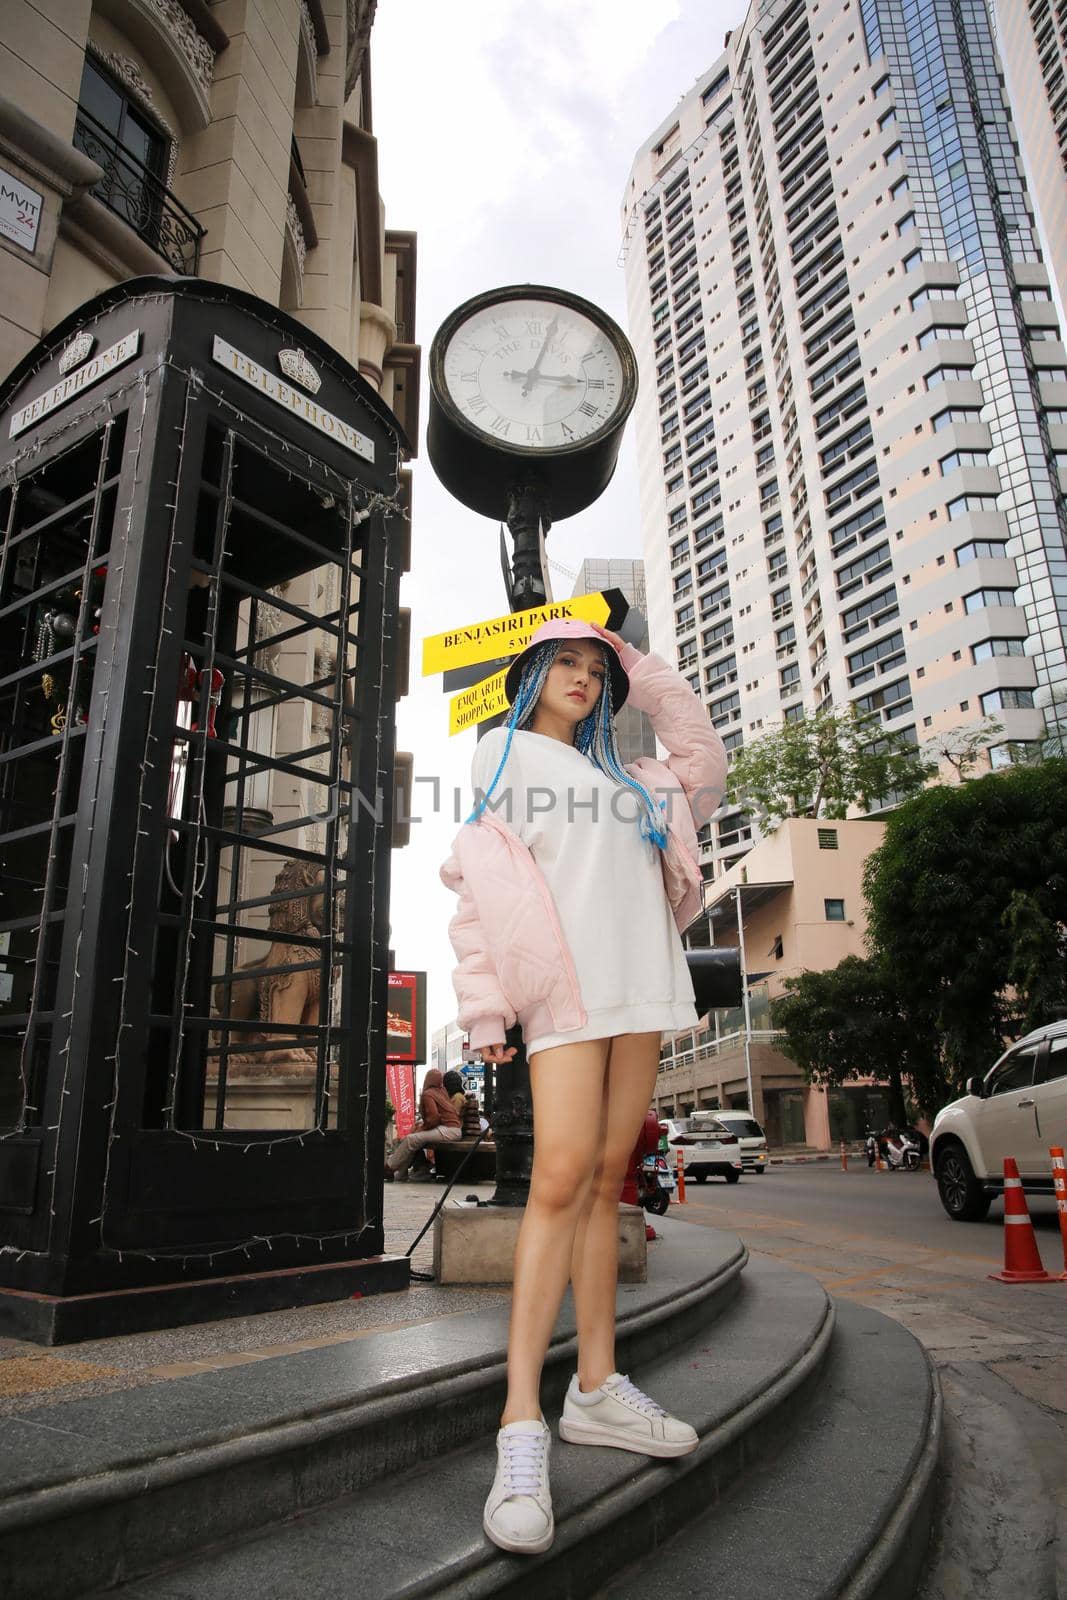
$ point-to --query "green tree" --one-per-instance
(964, 748)
(940, 893)
(1037, 966)
(850, 1022)
(820, 766)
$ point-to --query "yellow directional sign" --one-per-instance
(474, 705)
(507, 635)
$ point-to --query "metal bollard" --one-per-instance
(681, 1179)
(844, 1157)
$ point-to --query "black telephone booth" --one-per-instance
(202, 542)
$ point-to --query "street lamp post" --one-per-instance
(745, 999)
(530, 389)
(528, 521)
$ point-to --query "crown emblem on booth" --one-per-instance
(295, 365)
(78, 350)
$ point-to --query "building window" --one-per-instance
(995, 549)
(777, 949)
(956, 416)
(835, 910)
(967, 504)
(827, 838)
(987, 648)
(983, 599)
(963, 458)
(1007, 700)
(112, 130)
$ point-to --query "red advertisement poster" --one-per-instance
(405, 1022)
(400, 1082)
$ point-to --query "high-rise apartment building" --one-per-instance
(1032, 38)
(853, 418)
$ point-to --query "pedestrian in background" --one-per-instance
(573, 883)
(453, 1086)
(439, 1123)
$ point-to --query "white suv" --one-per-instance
(1019, 1109)
(750, 1136)
(708, 1150)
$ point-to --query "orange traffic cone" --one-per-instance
(1022, 1263)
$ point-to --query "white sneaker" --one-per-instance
(518, 1512)
(619, 1414)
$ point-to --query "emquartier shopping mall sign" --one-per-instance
(505, 636)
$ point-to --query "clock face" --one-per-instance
(533, 374)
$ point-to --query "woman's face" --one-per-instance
(575, 681)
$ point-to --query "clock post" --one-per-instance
(530, 390)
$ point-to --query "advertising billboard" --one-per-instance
(405, 1026)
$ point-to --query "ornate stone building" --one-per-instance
(230, 140)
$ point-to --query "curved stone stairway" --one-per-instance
(819, 1434)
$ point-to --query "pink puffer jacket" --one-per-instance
(512, 958)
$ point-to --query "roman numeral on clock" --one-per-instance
(501, 425)
(587, 408)
(476, 404)
(594, 383)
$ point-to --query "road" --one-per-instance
(882, 1240)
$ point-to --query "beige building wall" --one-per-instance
(264, 107)
(1032, 35)
(802, 909)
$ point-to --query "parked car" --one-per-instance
(750, 1136)
(708, 1149)
(1018, 1109)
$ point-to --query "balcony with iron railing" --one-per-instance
(140, 198)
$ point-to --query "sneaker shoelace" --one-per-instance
(631, 1395)
(524, 1455)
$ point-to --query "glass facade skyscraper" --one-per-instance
(853, 414)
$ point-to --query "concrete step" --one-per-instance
(844, 1508)
(98, 1490)
(742, 1382)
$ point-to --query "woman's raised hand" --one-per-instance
(613, 639)
(497, 1054)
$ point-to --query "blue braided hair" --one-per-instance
(594, 737)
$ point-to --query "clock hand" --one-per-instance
(535, 369)
(543, 377)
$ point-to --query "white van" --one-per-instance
(750, 1136)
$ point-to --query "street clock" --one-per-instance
(530, 389)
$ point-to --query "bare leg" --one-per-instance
(631, 1079)
(568, 1089)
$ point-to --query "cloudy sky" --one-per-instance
(506, 132)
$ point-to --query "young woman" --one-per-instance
(575, 875)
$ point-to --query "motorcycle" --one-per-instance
(902, 1154)
(655, 1184)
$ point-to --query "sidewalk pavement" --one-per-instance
(32, 1377)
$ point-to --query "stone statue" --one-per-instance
(279, 997)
